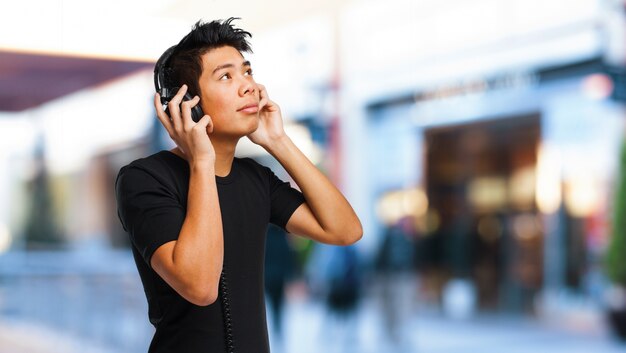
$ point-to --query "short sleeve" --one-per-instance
(148, 211)
(284, 200)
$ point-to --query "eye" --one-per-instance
(225, 75)
(249, 72)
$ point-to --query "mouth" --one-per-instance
(249, 108)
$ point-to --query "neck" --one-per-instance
(224, 155)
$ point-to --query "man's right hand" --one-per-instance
(190, 137)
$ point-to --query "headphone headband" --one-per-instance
(161, 77)
(164, 86)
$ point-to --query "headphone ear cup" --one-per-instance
(196, 111)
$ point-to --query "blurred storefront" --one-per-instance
(493, 126)
(499, 136)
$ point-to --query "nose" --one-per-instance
(247, 87)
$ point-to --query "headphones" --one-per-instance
(166, 88)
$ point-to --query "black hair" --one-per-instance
(186, 62)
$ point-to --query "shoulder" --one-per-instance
(156, 169)
(251, 167)
(139, 168)
(152, 163)
(247, 162)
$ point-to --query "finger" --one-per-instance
(262, 104)
(205, 123)
(262, 91)
(178, 98)
(174, 107)
(263, 98)
(188, 122)
(163, 118)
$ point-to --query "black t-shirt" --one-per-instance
(152, 201)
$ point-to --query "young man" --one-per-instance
(197, 216)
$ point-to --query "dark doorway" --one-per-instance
(480, 184)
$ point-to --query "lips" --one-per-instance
(249, 108)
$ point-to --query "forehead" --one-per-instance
(220, 56)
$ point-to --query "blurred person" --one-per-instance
(197, 215)
(344, 281)
(279, 269)
(335, 277)
(394, 264)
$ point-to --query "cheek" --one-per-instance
(211, 106)
(217, 109)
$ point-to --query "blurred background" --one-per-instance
(480, 142)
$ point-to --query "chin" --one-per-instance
(253, 126)
(244, 131)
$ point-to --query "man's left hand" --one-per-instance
(270, 121)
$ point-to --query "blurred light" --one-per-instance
(5, 238)
(430, 223)
(487, 193)
(525, 226)
(415, 202)
(597, 86)
(522, 188)
(389, 207)
(395, 205)
(582, 197)
(548, 194)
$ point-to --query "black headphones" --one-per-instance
(166, 88)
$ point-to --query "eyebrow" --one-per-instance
(226, 66)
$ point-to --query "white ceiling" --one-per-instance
(256, 15)
(135, 29)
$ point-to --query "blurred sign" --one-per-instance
(507, 81)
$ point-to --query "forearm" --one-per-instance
(199, 251)
(331, 209)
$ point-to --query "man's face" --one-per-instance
(226, 86)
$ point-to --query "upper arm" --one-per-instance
(149, 211)
(153, 218)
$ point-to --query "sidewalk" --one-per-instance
(46, 306)
(23, 337)
(309, 330)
